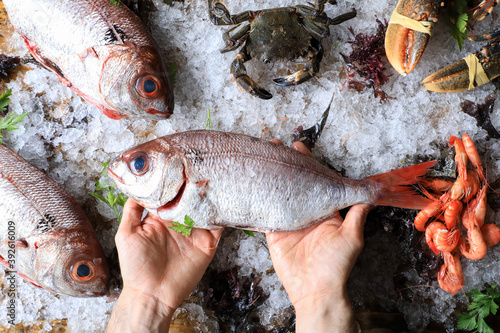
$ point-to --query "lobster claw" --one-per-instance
(408, 32)
(468, 73)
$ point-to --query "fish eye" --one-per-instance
(82, 271)
(148, 86)
(138, 164)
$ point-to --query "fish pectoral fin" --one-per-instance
(30, 280)
(45, 62)
(203, 188)
(21, 243)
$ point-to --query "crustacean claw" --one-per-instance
(468, 73)
(408, 32)
(243, 80)
(247, 84)
(304, 74)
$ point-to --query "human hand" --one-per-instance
(314, 264)
(159, 267)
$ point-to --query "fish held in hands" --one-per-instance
(101, 51)
(46, 237)
(226, 179)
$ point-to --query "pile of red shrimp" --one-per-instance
(454, 221)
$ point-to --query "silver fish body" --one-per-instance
(101, 51)
(226, 179)
(45, 236)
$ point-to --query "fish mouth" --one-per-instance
(114, 175)
(174, 202)
(161, 114)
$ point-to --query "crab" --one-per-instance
(409, 31)
(277, 34)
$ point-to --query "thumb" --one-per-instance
(355, 219)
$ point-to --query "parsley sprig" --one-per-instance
(115, 2)
(183, 228)
(110, 199)
(482, 305)
(457, 20)
(8, 122)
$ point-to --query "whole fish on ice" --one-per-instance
(44, 235)
(226, 179)
(101, 51)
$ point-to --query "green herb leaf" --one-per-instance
(8, 122)
(184, 229)
(209, 121)
(249, 233)
(481, 306)
(457, 20)
(466, 322)
(110, 199)
(115, 2)
(5, 100)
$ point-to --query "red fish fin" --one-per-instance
(395, 190)
(29, 280)
(32, 47)
(8, 266)
(21, 243)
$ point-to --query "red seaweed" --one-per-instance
(365, 60)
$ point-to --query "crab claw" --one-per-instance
(463, 75)
(408, 32)
(247, 84)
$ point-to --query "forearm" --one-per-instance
(326, 315)
(138, 313)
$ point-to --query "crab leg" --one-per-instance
(319, 25)
(220, 15)
(235, 41)
(408, 32)
(467, 74)
(304, 74)
(243, 80)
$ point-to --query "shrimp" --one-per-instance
(460, 157)
(439, 238)
(452, 214)
(425, 214)
(464, 189)
(474, 247)
(480, 206)
(473, 156)
(450, 277)
(437, 184)
(491, 234)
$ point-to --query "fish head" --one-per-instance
(151, 173)
(72, 264)
(136, 83)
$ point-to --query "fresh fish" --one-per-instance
(45, 236)
(226, 179)
(100, 50)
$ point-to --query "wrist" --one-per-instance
(325, 312)
(136, 311)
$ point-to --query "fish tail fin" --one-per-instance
(394, 187)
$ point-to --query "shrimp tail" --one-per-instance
(394, 188)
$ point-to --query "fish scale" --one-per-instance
(228, 179)
(51, 233)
